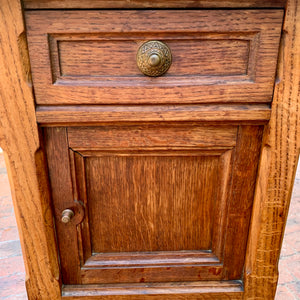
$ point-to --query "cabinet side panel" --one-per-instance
(25, 160)
(277, 168)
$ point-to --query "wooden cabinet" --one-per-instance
(139, 187)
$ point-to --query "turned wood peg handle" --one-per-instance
(67, 215)
(154, 58)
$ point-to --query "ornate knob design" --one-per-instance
(67, 215)
(154, 58)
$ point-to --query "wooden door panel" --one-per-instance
(159, 201)
(151, 203)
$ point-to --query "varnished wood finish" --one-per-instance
(62, 198)
(162, 203)
(172, 190)
(25, 160)
(88, 60)
(241, 198)
(157, 136)
(219, 290)
(89, 57)
(88, 4)
(23, 144)
(76, 115)
(278, 164)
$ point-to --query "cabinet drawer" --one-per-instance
(89, 57)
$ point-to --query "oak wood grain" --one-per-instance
(152, 136)
(63, 198)
(155, 143)
(96, 114)
(68, 70)
(28, 172)
(137, 266)
(278, 164)
(222, 290)
(25, 159)
(241, 198)
(161, 203)
(144, 183)
(88, 4)
(151, 258)
(117, 57)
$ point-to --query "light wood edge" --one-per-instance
(19, 138)
(278, 163)
(157, 291)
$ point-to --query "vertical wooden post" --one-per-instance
(19, 139)
(278, 165)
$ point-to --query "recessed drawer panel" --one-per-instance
(89, 57)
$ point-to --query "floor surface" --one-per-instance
(12, 273)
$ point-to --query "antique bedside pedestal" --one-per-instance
(151, 145)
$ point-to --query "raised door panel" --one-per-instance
(152, 203)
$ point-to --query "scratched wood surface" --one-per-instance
(278, 165)
(24, 157)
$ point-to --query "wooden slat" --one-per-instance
(19, 138)
(240, 200)
(62, 198)
(280, 153)
(78, 115)
(175, 273)
(209, 290)
(88, 4)
(150, 258)
(143, 137)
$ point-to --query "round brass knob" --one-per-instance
(67, 215)
(154, 58)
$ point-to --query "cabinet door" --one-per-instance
(152, 202)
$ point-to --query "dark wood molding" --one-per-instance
(103, 4)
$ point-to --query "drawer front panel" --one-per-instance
(116, 58)
(89, 57)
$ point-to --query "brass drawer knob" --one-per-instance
(154, 58)
(67, 215)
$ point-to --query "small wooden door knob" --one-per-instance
(154, 58)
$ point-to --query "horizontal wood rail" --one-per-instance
(79, 114)
(163, 291)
